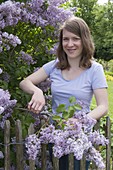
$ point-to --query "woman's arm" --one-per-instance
(101, 97)
(29, 86)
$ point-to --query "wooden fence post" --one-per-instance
(7, 146)
(108, 147)
(43, 157)
(55, 163)
(19, 146)
(96, 127)
(71, 162)
(31, 162)
(83, 163)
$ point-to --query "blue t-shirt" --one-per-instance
(81, 87)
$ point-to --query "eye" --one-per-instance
(76, 38)
(65, 39)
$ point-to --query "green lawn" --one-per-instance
(110, 97)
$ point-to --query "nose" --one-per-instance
(70, 43)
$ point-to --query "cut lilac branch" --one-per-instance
(75, 137)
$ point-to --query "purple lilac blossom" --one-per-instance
(1, 155)
(72, 139)
(6, 77)
(45, 85)
(1, 71)
(33, 146)
(8, 39)
(12, 12)
(52, 50)
(94, 155)
(26, 58)
(98, 139)
(1, 110)
(7, 106)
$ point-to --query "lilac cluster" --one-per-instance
(48, 12)
(1, 71)
(26, 58)
(96, 138)
(95, 156)
(53, 49)
(33, 146)
(6, 40)
(1, 155)
(6, 77)
(45, 85)
(6, 106)
(72, 139)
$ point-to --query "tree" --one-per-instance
(103, 32)
(99, 19)
(85, 10)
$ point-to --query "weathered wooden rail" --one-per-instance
(20, 162)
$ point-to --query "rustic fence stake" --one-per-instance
(31, 162)
(108, 147)
(19, 146)
(71, 162)
(55, 163)
(7, 146)
(43, 157)
(83, 163)
(96, 127)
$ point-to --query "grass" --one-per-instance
(110, 98)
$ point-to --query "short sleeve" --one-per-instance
(49, 67)
(98, 78)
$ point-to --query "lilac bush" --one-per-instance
(28, 33)
(41, 13)
(6, 106)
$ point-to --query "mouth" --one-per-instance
(71, 50)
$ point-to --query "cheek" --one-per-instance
(64, 45)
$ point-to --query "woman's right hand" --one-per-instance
(37, 101)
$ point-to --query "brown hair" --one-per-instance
(78, 27)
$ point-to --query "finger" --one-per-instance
(41, 106)
(34, 105)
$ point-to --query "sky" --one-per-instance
(102, 1)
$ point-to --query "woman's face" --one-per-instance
(72, 44)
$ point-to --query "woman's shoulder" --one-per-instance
(95, 65)
(50, 66)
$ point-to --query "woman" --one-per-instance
(73, 73)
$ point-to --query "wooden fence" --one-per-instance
(20, 162)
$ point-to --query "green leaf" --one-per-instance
(61, 124)
(72, 99)
(56, 117)
(71, 111)
(61, 108)
(77, 107)
(65, 115)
